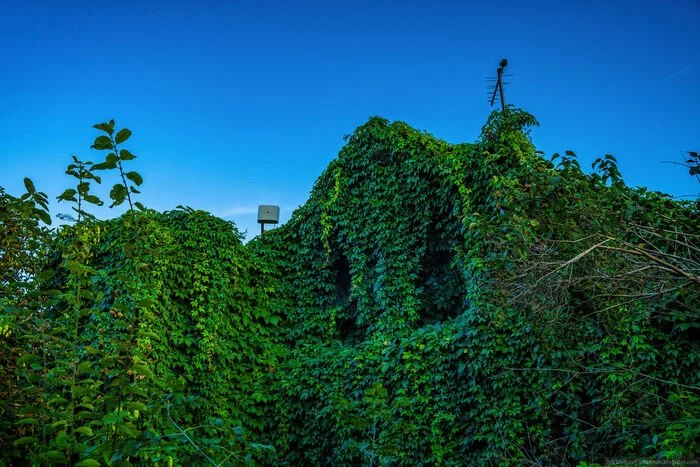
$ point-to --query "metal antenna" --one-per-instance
(498, 83)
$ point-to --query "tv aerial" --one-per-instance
(497, 84)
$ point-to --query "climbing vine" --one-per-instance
(430, 304)
(142, 339)
(504, 307)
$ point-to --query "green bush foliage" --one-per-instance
(431, 304)
(468, 304)
(23, 254)
(152, 343)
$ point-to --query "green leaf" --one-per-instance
(29, 185)
(42, 200)
(102, 143)
(85, 415)
(123, 135)
(28, 421)
(129, 429)
(263, 447)
(87, 463)
(26, 359)
(62, 440)
(83, 188)
(106, 127)
(55, 457)
(135, 177)
(24, 440)
(142, 370)
(110, 418)
(46, 275)
(109, 163)
(92, 199)
(85, 367)
(137, 406)
(126, 155)
(151, 335)
(68, 195)
(135, 390)
(44, 216)
(57, 400)
(118, 194)
(85, 430)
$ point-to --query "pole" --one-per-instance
(500, 85)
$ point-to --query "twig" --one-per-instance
(639, 252)
(694, 388)
(167, 408)
(572, 260)
(616, 369)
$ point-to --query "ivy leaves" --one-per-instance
(129, 313)
(468, 281)
(446, 290)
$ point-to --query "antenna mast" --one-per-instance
(498, 82)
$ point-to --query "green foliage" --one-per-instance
(120, 191)
(23, 254)
(142, 339)
(83, 172)
(461, 304)
(431, 304)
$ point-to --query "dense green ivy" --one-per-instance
(179, 326)
(159, 323)
(149, 340)
(461, 304)
(431, 304)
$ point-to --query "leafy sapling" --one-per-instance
(83, 172)
(121, 191)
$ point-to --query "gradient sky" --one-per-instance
(235, 103)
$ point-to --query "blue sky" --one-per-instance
(234, 103)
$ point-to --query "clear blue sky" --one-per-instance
(234, 104)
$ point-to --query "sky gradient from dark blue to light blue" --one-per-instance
(234, 104)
